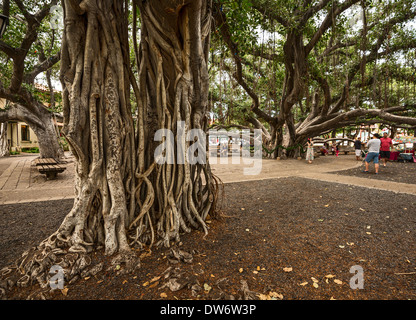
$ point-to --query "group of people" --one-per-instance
(378, 148)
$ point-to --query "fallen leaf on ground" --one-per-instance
(303, 284)
(337, 281)
(65, 291)
(207, 287)
(255, 272)
(163, 295)
(314, 280)
(125, 281)
(276, 295)
(329, 276)
(287, 269)
(315, 285)
(241, 270)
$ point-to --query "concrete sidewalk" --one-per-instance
(21, 182)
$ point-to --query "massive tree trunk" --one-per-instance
(123, 194)
(98, 125)
(48, 139)
(99, 128)
(173, 76)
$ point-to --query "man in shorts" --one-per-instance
(373, 152)
(357, 146)
(386, 143)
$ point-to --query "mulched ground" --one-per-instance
(404, 172)
(280, 236)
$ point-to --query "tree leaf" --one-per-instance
(65, 291)
(154, 279)
(207, 287)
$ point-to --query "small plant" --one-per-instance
(31, 150)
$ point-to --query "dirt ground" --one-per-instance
(287, 238)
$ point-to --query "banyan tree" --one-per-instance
(124, 196)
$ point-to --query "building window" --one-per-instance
(25, 133)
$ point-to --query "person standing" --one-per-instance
(309, 150)
(357, 147)
(373, 152)
(335, 149)
(386, 144)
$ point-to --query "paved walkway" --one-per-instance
(21, 182)
(320, 169)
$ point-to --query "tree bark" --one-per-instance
(173, 77)
(4, 144)
(123, 196)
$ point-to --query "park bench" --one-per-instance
(49, 167)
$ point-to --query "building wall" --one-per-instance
(14, 135)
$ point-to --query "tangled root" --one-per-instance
(35, 268)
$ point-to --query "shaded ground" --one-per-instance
(25, 225)
(313, 228)
(404, 172)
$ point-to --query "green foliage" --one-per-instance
(31, 150)
(48, 40)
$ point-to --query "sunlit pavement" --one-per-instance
(21, 182)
